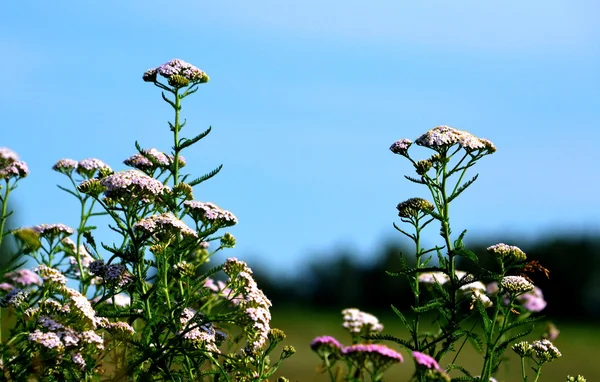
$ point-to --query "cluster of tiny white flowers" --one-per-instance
(446, 136)
(254, 303)
(516, 284)
(509, 252)
(141, 161)
(14, 298)
(204, 335)
(545, 349)
(355, 321)
(209, 213)
(401, 146)
(90, 337)
(49, 230)
(164, 222)
(132, 183)
(47, 339)
(51, 275)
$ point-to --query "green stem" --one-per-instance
(538, 372)
(416, 283)
(523, 373)
(3, 217)
(176, 137)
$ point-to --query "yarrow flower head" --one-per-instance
(425, 360)
(51, 231)
(17, 169)
(445, 136)
(51, 275)
(401, 146)
(201, 335)
(210, 213)
(254, 304)
(24, 277)
(325, 344)
(164, 224)
(7, 156)
(413, 207)
(545, 350)
(178, 72)
(507, 252)
(150, 159)
(532, 301)
(356, 321)
(65, 166)
(126, 185)
(14, 298)
(381, 356)
(89, 167)
(516, 284)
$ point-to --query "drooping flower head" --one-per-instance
(254, 304)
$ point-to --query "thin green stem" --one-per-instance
(416, 284)
(3, 217)
(523, 373)
(538, 372)
(176, 138)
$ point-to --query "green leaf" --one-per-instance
(205, 177)
(504, 344)
(476, 341)
(434, 304)
(464, 252)
(88, 228)
(189, 142)
(453, 366)
(401, 316)
(415, 180)
(485, 319)
(389, 337)
(168, 101)
(524, 321)
(458, 243)
(462, 188)
(67, 190)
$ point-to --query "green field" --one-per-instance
(578, 342)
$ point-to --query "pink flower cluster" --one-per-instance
(199, 334)
(254, 304)
(141, 161)
(356, 321)
(164, 223)
(210, 213)
(176, 67)
(11, 166)
(133, 184)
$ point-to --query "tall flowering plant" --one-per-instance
(502, 308)
(491, 308)
(146, 307)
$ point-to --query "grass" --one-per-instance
(578, 342)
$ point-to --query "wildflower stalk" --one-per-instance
(176, 129)
(4, 215)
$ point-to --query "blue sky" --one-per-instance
(305, 98)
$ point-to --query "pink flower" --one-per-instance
(425, 360)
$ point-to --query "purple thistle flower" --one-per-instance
(425, 360)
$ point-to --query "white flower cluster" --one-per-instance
(446, 136)
(164, 223)
(516, 284)
(254, 303)
(355, 321)
(200, 334)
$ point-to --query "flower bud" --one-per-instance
(228, 241)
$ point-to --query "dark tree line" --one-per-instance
(337, 280)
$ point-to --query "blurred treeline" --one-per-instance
(338, 280)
